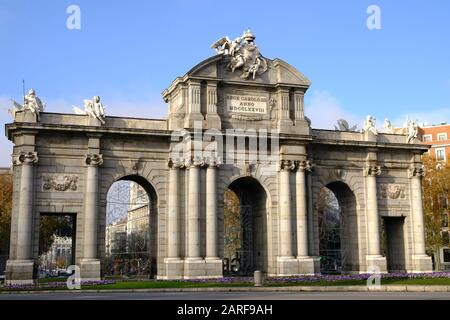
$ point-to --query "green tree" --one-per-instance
(436, 195)
(5, 211)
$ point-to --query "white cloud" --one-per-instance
(324, 110)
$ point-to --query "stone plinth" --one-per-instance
(90, 269)
(194, 268)
(376, 263)
(174, 269)
(308, 265)
(19, 271)
(287, 266)
(422, 263)
(214, 268)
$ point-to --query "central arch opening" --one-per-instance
(338, 229)
(131, 229)
(245, 227)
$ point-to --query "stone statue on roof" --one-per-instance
(93, 108)
(31, 102)
(244, 55)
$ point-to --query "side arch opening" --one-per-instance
(338, 229)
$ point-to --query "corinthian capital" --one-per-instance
(287, 165)
(372, 170)
(197, 162)
(304, 165)
(177, 163)
(26, 158)
(416, 172)
(213, 162)
(94, 159)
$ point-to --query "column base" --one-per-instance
(287, 266)
(421, 263)
(174, 269)
(194, 268)
(19, 271)
(376, 263)
(90, 270)
(214, 268)
(308, 265)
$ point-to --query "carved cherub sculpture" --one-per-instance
(413, 131)
(31, 102)
(93, 108)
(369, 125)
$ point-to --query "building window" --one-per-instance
(440, 154)
(426, 138)
(446, 255)
(442, 136)
(445, 238)
(445, 220)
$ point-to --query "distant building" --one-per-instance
(131, 233)
(138, 211)
(438, 136)
(59, 256)
(116, 237)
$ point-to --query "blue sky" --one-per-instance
(128, 52)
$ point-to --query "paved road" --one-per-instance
(231, 296)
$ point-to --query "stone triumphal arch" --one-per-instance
(235, 121)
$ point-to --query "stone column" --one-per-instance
(194, 107)
(421, 261)
(212, 248)
(173, 262)
(194, 264)
(212, 117)
(173, 209)
(90, 264)
(283, 105)
(298, 103)
(285, 205)
(193, 223)
(287, 264)
(212, 260)
(302, 210)
(306, 264)
(374, 258)
(20, 269)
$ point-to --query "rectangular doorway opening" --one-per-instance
(395, 244)
(57, 237)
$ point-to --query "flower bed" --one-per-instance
(328, 278)
(356, 279)
(51, 285)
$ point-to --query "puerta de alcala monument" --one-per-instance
(247, 112)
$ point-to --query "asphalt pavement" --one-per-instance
(228, 296)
